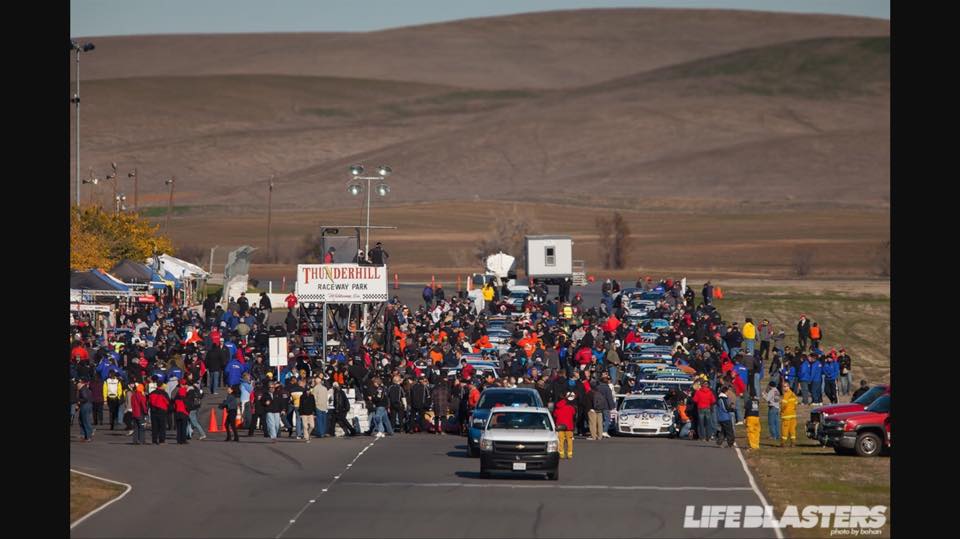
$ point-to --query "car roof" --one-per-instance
(635, 396)
(530, 409)
(509, 389)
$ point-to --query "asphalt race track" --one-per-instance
(416, 485)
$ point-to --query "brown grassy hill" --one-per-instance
(790, 124)
(799, 123)
(561, 49)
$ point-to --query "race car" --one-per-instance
(644, 415)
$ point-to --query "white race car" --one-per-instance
(644, 415)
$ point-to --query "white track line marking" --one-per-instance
(753, 484)
(534, 485)
(104, 506)
(327, 488)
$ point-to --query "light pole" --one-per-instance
(121, 201)
(136, 190)
(92, 181)
(170, 182)
(77, 49)
(113, 176)
(355, 188)
(269, 211)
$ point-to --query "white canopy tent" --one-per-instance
(192, 277)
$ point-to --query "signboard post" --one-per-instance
(341, 283)
(278, 353)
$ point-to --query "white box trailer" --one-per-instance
(549, 258)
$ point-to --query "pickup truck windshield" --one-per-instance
(492, 400)
(519, 420)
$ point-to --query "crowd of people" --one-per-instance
(410, 373)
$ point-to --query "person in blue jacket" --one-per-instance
(107, 364)
(788, 374)
(234, 372)
(816, 375)
(741, 370)
(806, 378)
(174, 371)
(831, 371)
(725, 418)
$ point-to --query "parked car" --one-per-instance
(819, 414)
(863, 433)
(490, 398)
(520, 440)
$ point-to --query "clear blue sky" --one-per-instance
(129, 17)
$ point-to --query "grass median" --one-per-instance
(87, 493)
(809, 474)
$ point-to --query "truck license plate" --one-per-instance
(520, 466)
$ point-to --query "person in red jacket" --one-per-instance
(291, 301)
(705, 399)
(139, 411)
(159, 402)
(79, 353)
(584, 356)
(563, 414)
(182, 415)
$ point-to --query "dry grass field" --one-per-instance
(86, 494)
(436, 238)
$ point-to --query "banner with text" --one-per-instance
(341, 283)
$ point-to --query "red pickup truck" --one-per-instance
(865, 433)
(818, 415)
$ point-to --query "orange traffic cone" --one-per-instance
(223, 424)
(239, 421)
(213, 422)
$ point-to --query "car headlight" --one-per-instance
(486, 445)
(552, 446)
(667, 419)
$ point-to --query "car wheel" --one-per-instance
(868, 445)
(554, 475)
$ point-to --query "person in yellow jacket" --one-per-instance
(788, 415)
(567, 311)
(113, 393)
(752, 412)
(488, 292)
(749, 333)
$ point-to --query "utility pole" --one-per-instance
(170, 182)
(113, 176)
(136, 190)
(269, 212)
(77, 49)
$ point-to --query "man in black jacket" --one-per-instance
(216, 360)
(803, 332)
(308, 411)
(396, 397)
(420, 403)
(378, 256)
(357, 376)
(341, 404)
